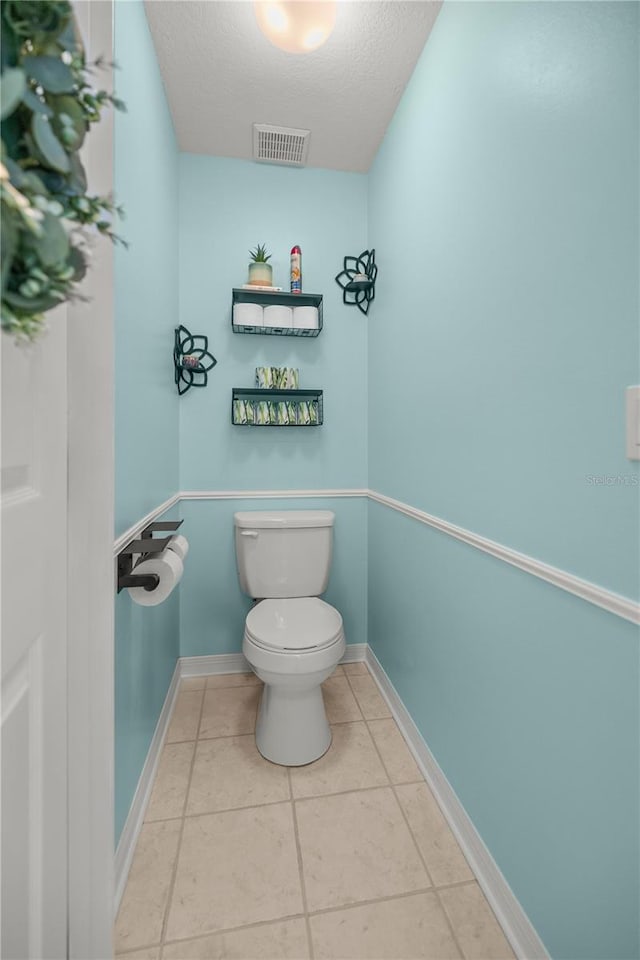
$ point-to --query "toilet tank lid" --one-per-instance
(281, 519)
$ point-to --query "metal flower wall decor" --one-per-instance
(191, 359)
(358, 280)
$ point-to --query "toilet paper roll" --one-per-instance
(180, 545)
(278, 316)
(305, 318)
(248, 314)
(169, 569)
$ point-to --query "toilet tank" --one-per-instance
(283, 553)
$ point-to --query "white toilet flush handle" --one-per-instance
(249, 533)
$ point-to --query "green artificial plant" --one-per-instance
(47, 104)
(260, 255)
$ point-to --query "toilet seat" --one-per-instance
(293, 625)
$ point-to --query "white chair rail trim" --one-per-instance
(607, 600)
(591, 592)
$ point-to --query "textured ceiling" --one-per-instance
(221, 75)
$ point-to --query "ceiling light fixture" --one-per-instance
(297, 26)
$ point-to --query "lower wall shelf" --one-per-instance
(276, 408)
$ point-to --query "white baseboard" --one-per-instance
(517, 927)
(354, 653)
(216, 664)
(236, 662)
(135, 818)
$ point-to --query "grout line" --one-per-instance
(342, 793)
(303, 889)
(223, 930)
(456, 884)
(172, 881)
(274, 803)
(131, 953)
(412, 834)
(357, 719)
(212, 813)
(191, 693)
(367, 903)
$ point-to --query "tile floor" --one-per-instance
(348, 857)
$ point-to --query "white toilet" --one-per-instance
(292, 638)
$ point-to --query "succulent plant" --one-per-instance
(260, 255)
(47, 105)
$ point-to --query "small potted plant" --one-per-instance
(260, 270)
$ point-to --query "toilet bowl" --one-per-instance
(293, 645)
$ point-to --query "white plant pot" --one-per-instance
(261, 274)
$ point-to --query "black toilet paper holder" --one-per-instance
(145, 545)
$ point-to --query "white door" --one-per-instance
(57, 587)
(34, 648)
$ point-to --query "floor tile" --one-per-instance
(478, 932)
(395, 754)
(235, 868)
(350, 763)
(437, 843)
(149, 953)
(369, 698)
(284, 940)
(230, 711)
(232, 680)
(229, 772)
(193, 683)
(356, 846)
(142, 909)
(356, 669)
(339, 701)
(171, 782)
(186, 715)
(409, 928)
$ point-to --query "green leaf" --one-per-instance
(78, 178)
(51, 73)
(33, 304)
(9, 238)
(12, 87)
(39, 20)
(48, 144)
(35, 104)
(16, 173)
(12, 135)
(69, 106)
(9, 47)
(32, 182)
(77, 260)
(70, 38)
(52, 247)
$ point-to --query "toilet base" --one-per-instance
(292, 727)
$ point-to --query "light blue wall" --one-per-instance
(226, 207)
(504, 212)
(146, 455)
(503, 208)
(212, 607)
(528, 698)
(146, 653)
(146, 282)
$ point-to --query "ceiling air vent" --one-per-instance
(280, 144)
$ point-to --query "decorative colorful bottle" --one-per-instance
(296, 270)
